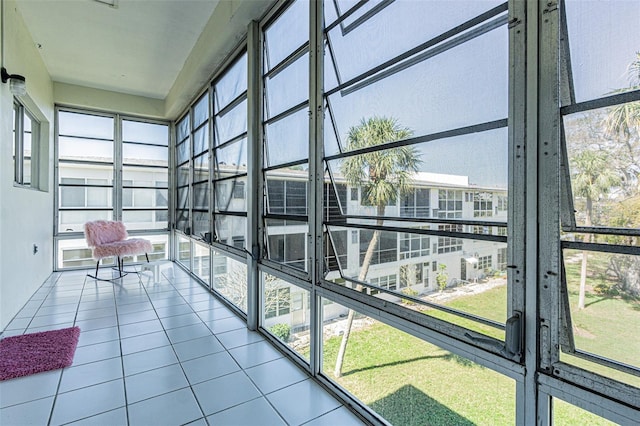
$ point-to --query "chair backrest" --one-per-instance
(101, 232)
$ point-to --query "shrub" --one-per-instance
(442, 276)
(409, 292)
(282, 331)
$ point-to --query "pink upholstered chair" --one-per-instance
(109, 238)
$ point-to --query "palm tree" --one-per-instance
(593, 178)
(624, 120)
(382, 176)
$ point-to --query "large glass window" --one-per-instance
(432, 183)
(229, 119)
(285, 82)
(600, 144)
(26, 138)
(90, 186)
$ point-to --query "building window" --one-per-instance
(449, 244)
(414, 245)
(277, 302)
(388, 282)
(415, 203)
(501, 203)
(482, 204)
(502, 259)
(386, 250)
(477, 229)
(289, 249)
(238, 190)
(449, 204)
(287, 197)
(354, 194)
(26, 135)
(485, 262)
(414, 274)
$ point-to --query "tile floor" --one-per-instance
(166, 353)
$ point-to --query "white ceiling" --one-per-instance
(137, 47)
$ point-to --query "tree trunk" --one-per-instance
(583, 268)
(366, 262)
(583, 280)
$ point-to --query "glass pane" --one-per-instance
(85, 149)
(287, 140)
(232, 124)
(288, 87)
(201, 140)
(231, 230)
(145, 176)
(286, 313)
(287, 242)
(145, 155)
(394, 30)
(201, 223)
(231, 159)
(565, 414)
(201, 168)
(201, 261)
(603, 291)
(151, 219)
(232, 83)
(287, 195)
(603, 147)
(230, 279)
(231, 195)
(289, 31)
(463, 274)
(201, 196)
(182, 128)
(201, 110)
(73, 173)
(183, 175)
(73, 221)
(183, 152)
(182, 221)
(477, 94)
(411, 381)
(184, 251)
(84, 125)
(136, 131)
(75, 253)
(603, 39)
(183, 198)
(142, 198)
(467, 163)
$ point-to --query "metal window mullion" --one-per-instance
(255, 182)
(211, 165)
(18, 141)
(526, 389)
(316, 175)
(117, 202)
(56, 195)
(543, 254)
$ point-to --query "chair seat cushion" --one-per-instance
(129, 247)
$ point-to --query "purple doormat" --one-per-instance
(37, 352)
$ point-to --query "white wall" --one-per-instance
(26, 216)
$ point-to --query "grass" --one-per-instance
(608, 326)
(411, 382)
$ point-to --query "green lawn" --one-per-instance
(411, 382)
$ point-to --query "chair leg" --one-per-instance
(120, 266)
(147, 256)
(95, 277)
